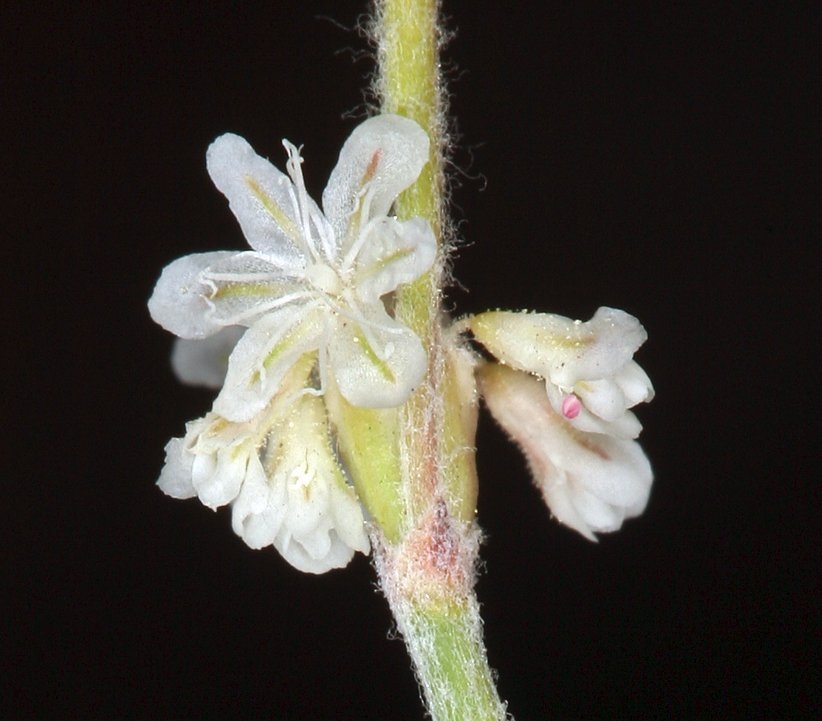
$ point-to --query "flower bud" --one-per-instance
(591, 482)
(590, 375)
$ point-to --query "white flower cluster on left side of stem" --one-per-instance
(301, 314)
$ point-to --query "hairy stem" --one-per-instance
(427, 570)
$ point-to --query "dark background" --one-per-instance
(657, 159)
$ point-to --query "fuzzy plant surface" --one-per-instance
(347, 402)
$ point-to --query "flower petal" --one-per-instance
(247, 285)
(383, 156)
(635, 384)
(257, 514)
(598, 515)
(591, 360)
(178, 302)
(562, 506)
(627, 426)
(323, 521)
(602, 397)
(219, 477)
(220, 451)
(175, 478)
(376, 362)
(338, 554)
(263, 356)
(204, 362)
(261, 197)
(603, 345)
(615, 470)
(394, 253)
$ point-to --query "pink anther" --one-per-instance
(571, 406)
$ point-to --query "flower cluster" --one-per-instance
(563, 390)
(280, 475)
(301, 324)
(301, 312)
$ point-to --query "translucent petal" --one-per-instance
(559, 501)
(635, 384)
(338, 555)
(261, 197)
(627, 426)
(219, 477)
(178, 302)
(246, 285)
(613, 469)
(348, 523)
(204, 362)
(175, 478)
(394, 253)
(638, 507)
(202, 469)
(598, 515)
(257, 514)
(608, 341)
(383, 156)
(307, 489)
(262, 358)
(377, 362)
(323, 523)
(220, 451)
(602, 397)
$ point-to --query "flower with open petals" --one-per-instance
(314, 280)
(590, 375)
(591, 482)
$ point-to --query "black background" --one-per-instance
(657, 159)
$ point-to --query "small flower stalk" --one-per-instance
(346, 412)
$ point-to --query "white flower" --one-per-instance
(591, 482)
(301, 504)
(314, 280)
(280, 474)
(575, 429)
(589, 373)
(213, 460)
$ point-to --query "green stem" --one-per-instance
(427, 570)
